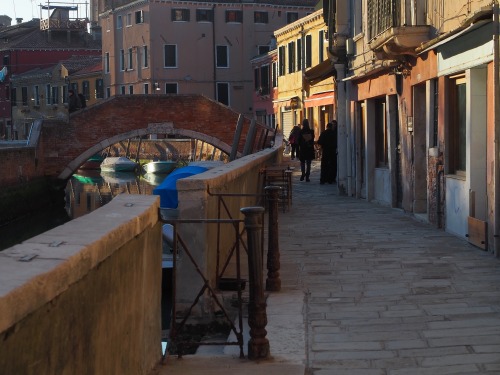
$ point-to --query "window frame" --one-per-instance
(145, 57)
(139, 16)
(457, 132)
(233, 16)
(204, 15)
(130, 58)
(119, 22)
(220, 48)
(184, 14)
(291, 17)
(291, 57)
(165, 55)
(122, 60)
(260, 17)
(219, 85)
(170, 85)
(24, 95)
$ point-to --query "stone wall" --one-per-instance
(87, 298)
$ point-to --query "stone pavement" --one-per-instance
(370, 290)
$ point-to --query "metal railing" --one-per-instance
(382, 15)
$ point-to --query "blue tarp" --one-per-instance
(167, 190)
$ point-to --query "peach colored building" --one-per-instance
(189, 47)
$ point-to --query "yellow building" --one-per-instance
(306, 76)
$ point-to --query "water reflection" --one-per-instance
(87, 190)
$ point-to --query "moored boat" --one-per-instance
(118, 164)
(160, 166)
(94, 162)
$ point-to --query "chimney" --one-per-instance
(19, 20)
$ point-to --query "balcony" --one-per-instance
(391, 31)
(62, 18)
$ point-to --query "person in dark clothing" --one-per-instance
(83, 101)
(73, 101)
(306, 150)
(328, 142)
(293, 138)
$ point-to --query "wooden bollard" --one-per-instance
(258, 345)
(273, 281)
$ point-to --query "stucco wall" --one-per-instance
(240, 176)
(89, 301)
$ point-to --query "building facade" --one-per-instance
(181, 47)
(421, 112)
(265, 87)
(42, 93)
(38, 44)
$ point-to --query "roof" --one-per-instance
(27, 35)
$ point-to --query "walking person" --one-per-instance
(293, 138)
(73, 101)
(306, 150)
(328, 142)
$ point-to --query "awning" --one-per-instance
(320, 72)
(289, 102)
(323, 98)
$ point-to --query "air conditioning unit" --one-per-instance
(349, 47)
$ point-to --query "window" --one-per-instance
(234, 16)
(291, 17)
(131, 89)
(55, 95)
(86, 89)
(299, 54)
(146, 88)
(108, 92)
(145, 59)
(170, 55)
(222, 56)
(281, 60)
(263, 50)
(435, 113)
(13, 96)
(291, 57)
(47, 95)
(139, 16)
(6, 60)
(36, 95)
(122, 60)
(129, 19)
(180, 15)
(99, 88)
(64, 94)
(308, 52)
(321, 46)
(74, 87)
(24, 95)
(106, 62)
(204, 15)
(264, 80)
(122, 90)
(357, 25)
(130, 59)
(256, 79)
(275, 74)
(260, 17)
(119, 22)
(381, 136)
(457, 131)
(171, 88)
(223, 93)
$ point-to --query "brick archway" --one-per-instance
(66, 145)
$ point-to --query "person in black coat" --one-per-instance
(306, 150)
(73, 101)
(328, 142)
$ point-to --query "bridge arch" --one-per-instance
(162, 128)
(68, 144)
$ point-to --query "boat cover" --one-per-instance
(167, 190)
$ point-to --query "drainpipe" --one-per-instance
(496, 71)
(213, 51)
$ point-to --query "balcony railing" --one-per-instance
(383, 15)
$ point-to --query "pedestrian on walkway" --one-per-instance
(293, 138)
(306, 150)
(73, 101)
(328, 142)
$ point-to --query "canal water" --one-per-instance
(86, 191)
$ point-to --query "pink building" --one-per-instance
(265, 87)
(177, 47)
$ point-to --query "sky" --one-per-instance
(25, 9)
(29, 9)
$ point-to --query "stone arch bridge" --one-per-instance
(66, 145)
